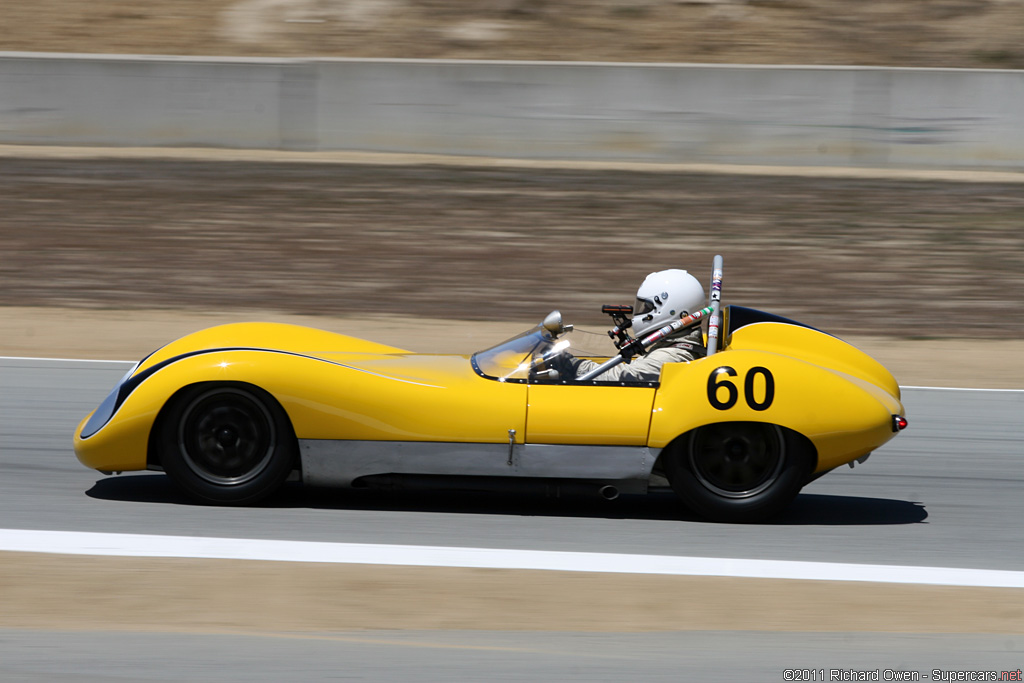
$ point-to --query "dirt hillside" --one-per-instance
(855, 256)
(921, 33)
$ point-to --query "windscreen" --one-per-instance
(513, 360)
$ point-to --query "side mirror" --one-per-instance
(553, 323)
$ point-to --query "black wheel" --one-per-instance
(738, 471)
(227, 443)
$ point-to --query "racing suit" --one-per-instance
(686, 346)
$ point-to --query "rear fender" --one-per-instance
(844, 417)
(811, 346)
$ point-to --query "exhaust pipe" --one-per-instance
(550, 488)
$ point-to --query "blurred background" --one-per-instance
(915, 240)
(859, 165)
(908, 33)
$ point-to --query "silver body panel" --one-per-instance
(339, 463)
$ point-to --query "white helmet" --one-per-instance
(663, 297)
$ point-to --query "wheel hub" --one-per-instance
(737, 460)
(226, 437)
(736, 451)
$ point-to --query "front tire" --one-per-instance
(226, 443)
(738, 471)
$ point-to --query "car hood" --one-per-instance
(296, 339)
(358, 354)
(434, 370)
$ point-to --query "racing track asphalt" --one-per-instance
(946, 493)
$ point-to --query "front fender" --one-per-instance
(843, 416)
(323, 399)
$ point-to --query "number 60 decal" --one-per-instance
(718, 381)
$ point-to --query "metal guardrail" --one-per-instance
(785, 115)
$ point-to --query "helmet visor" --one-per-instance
(642, 307)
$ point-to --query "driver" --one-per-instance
(664, 296)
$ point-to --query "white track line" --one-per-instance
(961, 389)
(136, 545)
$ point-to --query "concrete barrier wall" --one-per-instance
(661, 113)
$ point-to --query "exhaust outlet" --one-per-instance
(609, 492)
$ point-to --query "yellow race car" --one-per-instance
(232, 412)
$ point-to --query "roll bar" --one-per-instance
(715, 299)
(632, 347)
(639, 346)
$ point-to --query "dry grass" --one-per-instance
(218, 596)
(922, 33)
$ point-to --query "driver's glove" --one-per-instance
(565, 363)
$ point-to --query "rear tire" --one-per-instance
(738, 471)
(226, 443)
